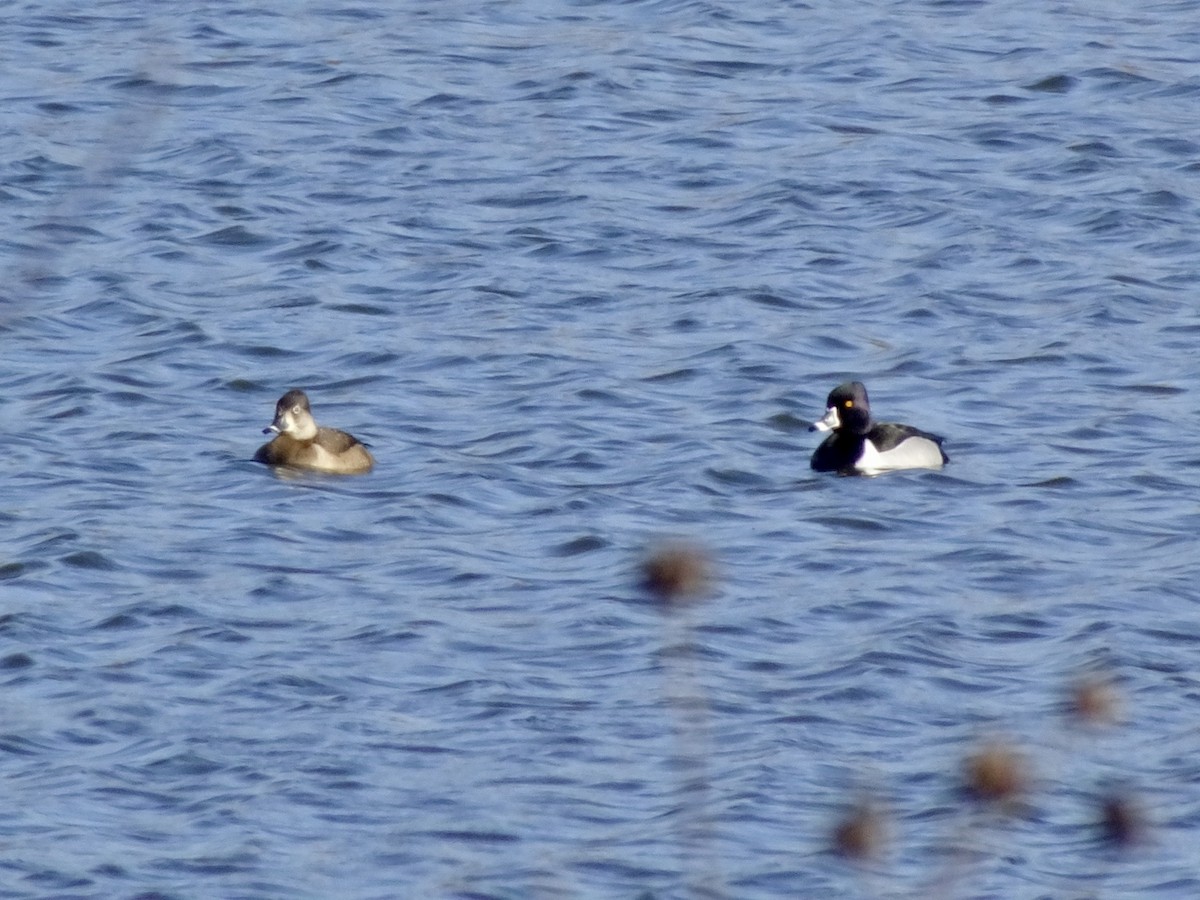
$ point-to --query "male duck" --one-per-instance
(860, 446)
(301, 443)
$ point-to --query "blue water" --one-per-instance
(581, 273)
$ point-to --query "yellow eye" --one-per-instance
(849, 403)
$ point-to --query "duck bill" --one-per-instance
(273, 428)
(828, 422)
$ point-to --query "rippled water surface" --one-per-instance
(581, 273)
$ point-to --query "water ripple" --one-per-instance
(582, 274)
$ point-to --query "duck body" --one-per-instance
(303, 444)
(858, 445)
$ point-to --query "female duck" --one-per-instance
(300, 442)
(861, 446)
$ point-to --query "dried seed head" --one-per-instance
(677, 573)
(996, 773)
(1122, 822)
(1094, 701)
(861, 834)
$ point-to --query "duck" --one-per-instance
(302, 444)
(858, 445)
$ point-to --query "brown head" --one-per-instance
(293, 417)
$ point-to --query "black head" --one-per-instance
(853, 391)
(846, 409)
